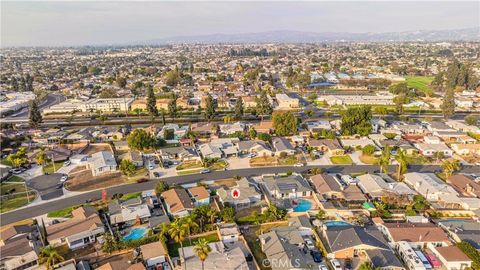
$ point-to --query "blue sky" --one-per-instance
(84, 23)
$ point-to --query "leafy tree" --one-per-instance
(448, 106)
(402, 160)
(390, 136)
(173, 77)
(41, 158)
(228, 214)
(384, 159)
(83, 70)
(227, 119)
(127, 167)
(140, 140)
(49, 256)
(449, 167)
(210, 108)
(321, 214)
(284, 123)
(368, 149)
(274, 213)
(263, 105)
(19, 158)
(252, 133)
(190, 225)
(202, 249)
(110, 244)
(471, 120)
(264, 137)
(357, 121)
(151, 102)
(239, 108)
(160, 187)
(399, 101)
(172, 108)
(35, 117)
(471, 252)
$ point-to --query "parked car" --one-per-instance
(17, 171)
(156, 174)
(336, 264)
(151, 167)
(67, 163)
(59, 185)
(317, 256)
(64, 178)
(298, 165)
(142, 180)
(309, 244)
(204, 171)
(322, 267)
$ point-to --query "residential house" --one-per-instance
(429, 150)
(18, 254)
(452, 258)
(283, 244)
(259, 148)
(462, 126)
(219, 257)
(377, 186)
(121, 146)
(249, 101)
(128, 212)
(328, 186)
(292, 186)
(466, 149)
(264, 126)
(102, 162)
(318, 126)
(354, 143)
(200, 195)
(135, 157)
(332, 146)
(347, 241)
(384, 259)
(464, 185)
(248, 194)
(462, 230)
(178, 202)
(154, 255)
(181, 153)
(230, 129)
(82, 229)
(204, 129)
(302, 224)
(282, 145)
(409, 128)
(173, 132)
(435, 126)
(229, 232)
(286, 103)
(219, 148)
(418, 235)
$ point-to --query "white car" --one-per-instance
(298, 165)
(151, 167)
(336, 264)
(204, 171)
(322, 267)
(64, 178)
(67, 163)
(309, 244)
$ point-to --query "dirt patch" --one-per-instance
(85, 181)
(94, 148)
(78, 169)
(230, 182)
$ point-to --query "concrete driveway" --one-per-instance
(238, 163)
(46, 186)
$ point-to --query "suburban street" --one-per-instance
(31, 211)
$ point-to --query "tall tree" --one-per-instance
(190, 225)
(263, 105)
(35, 117)
(202, 249)
(210, 108)
(172, 108)
(284, 123)
(399, 100)
(449, 167)
(402, 163)
(357, 121)
(384, 159)
(448, 106)
(239, 109)
(151, 102)
(177, 232)
(49, 256)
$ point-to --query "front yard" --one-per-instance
(342, 160)
(368, 159)
(13, 196)
(174, 246)
(49, 168)
(263, 161)
(85, 181)
(189, 165)
(288, 160)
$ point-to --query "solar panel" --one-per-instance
(287, 186)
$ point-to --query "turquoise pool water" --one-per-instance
(336, 223)
(135, 234)
(303, 206)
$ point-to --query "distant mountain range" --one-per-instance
(286, 36)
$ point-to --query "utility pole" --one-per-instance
(53, 163)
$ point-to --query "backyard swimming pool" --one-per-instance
(336, 223)
(302, 206)
(135, 234)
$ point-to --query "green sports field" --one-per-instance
(421, 83)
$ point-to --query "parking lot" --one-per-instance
(47, 186)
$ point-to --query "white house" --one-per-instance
(102, 162)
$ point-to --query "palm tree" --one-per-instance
(384, 159)
(177, 232)
(212, 215)
(449, 167)
(163, 231)
(190, 224)
(49, 256)
(202, 249)
(402, 163)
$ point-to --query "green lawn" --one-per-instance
(4, 161)
(219, 165)
(15, 201)
(416, 159)
(189, 165)
(289, 160)
(421, 83)
(15, 178)
(344, 160)
(173, 247)
(132, 195)
(62, 213)
(189, 171)
(49, 167)
(11, 188)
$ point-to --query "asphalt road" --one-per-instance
(51, 99)
(46, 186)
(36, 210)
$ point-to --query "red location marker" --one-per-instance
(235, 193)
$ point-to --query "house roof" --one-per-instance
(382, 258)
(199, 193)
(153, 250)
(177, 199)
(325, 183)
(343, 237)
(280, 248)
(452, 254)
(14, 231)
(281, 144)
(103, 159)
(353, 193)
(299, 221)
(82, 220)
(416, 232)
(287, 184)
(331, 144)
(16, 247)
(464, 185)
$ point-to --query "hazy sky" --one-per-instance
(82, 23)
